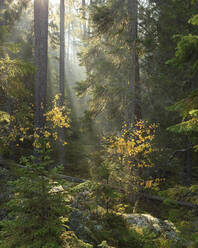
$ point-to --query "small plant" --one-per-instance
(35, 209)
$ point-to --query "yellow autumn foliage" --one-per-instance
(57, 117)
(131, 152)
(20, 129)
(133, 142)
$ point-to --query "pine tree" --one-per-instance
(165, 85)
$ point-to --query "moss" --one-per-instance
(81, 187)
(170, 202)
(104, 244)
(69, 240)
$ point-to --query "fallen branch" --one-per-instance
(10, 164)
(70, 179)
(162, 199)
(179, 151)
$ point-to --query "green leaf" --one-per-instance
(194, 20)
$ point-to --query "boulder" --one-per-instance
(146, 221)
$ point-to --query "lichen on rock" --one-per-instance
(162, 228)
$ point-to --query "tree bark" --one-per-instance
(84, 18)
(188, 165)
(1, 4)
(133, 101)
(62, 52)
(41, 59)
(68, 49)
(133, 111)
(62, 77)
(2, 20)
(89, 30)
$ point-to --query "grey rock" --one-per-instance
(165, 228)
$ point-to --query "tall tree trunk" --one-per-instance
(62, 76)
(133, 98)
(68, 50)
(137, 96)
(62, 51)
(41, 59)
(89, 21)
(133, 108)
(1, 4)
(2, 21)
(84, 18)
(72, 58)
(187, 180)
(41, 63)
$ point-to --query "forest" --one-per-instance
(98, 123)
